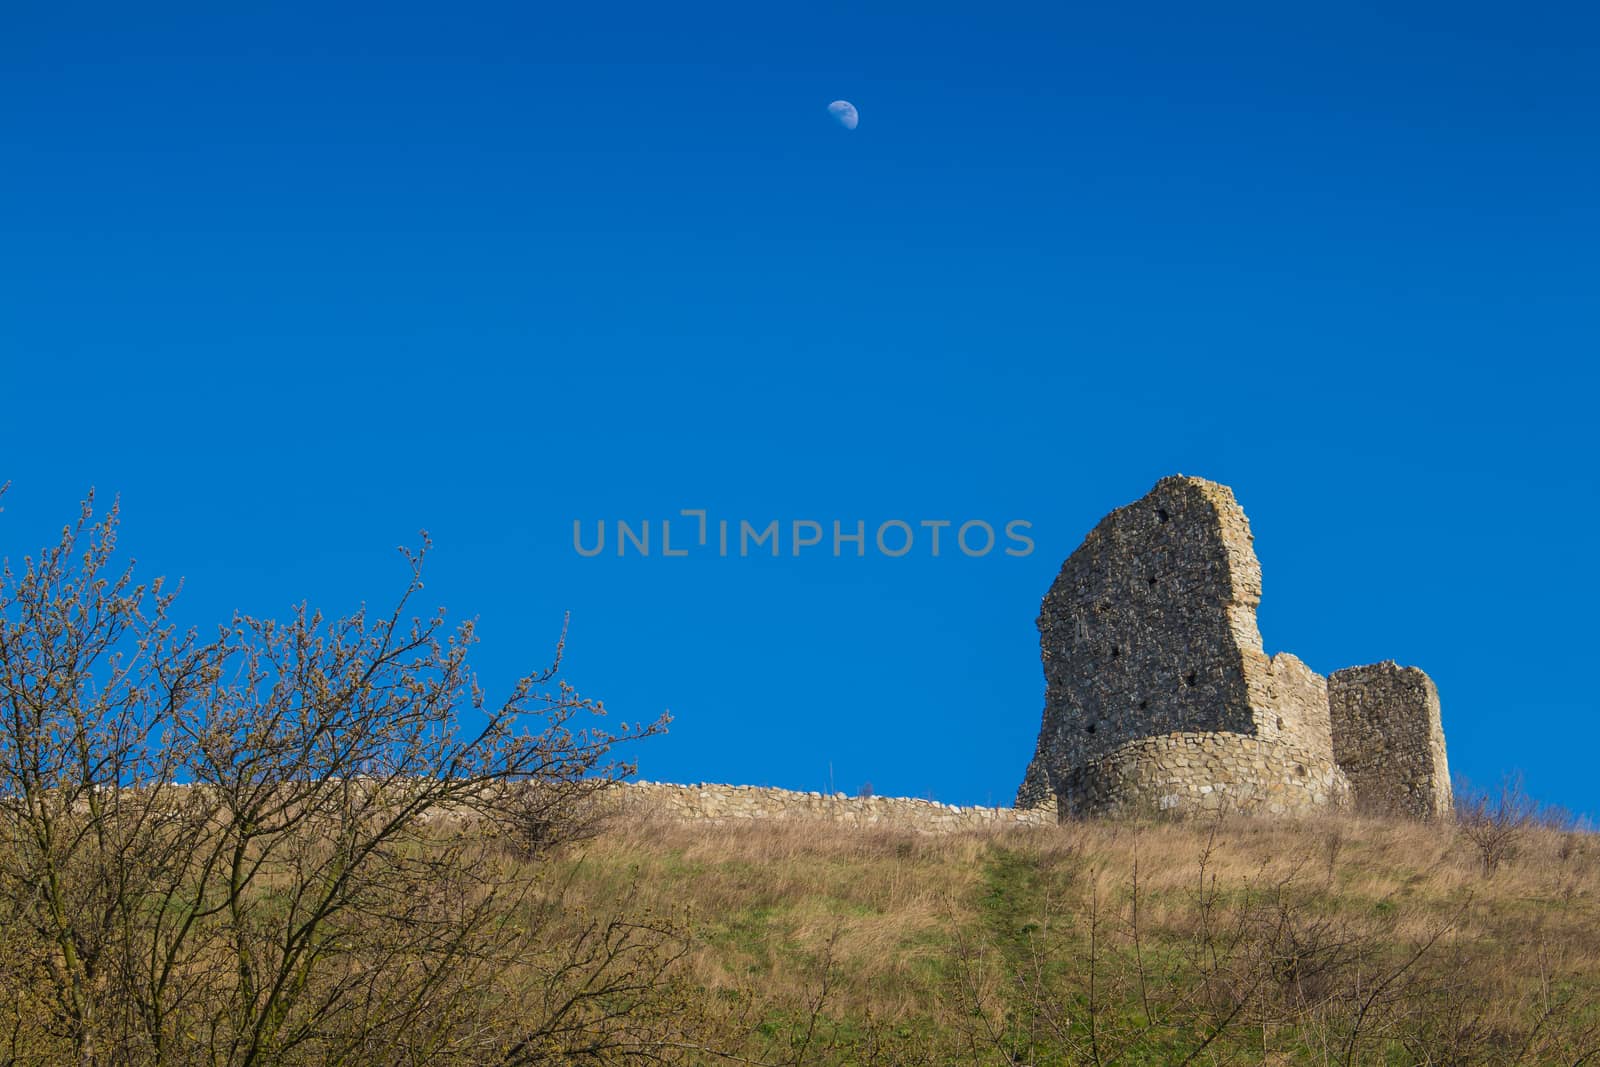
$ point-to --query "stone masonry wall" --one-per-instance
(1388, 738)
(722, 804)
(1193, 773)
(1148, 635)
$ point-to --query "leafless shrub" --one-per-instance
(542, 816)
(320, 887)
(1495, 821)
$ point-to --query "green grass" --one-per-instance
(976, 948)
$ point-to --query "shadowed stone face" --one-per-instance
(1155, 675)
(1388, 738)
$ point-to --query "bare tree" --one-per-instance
(279, 844)
(1495, 821)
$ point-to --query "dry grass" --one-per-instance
(1012, 946)
(1331, 941)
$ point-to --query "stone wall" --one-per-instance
(1159, 695)
(1149, 632)
(1194, 773)
(740, 803)
(1388, 738)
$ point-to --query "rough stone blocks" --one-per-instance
(1158, 693)
(1388, 738)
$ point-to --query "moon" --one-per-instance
(846, 113)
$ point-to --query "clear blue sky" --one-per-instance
(297, 283)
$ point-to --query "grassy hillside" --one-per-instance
(1244, 941)
(280, 848)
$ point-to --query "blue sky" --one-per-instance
(296, 283)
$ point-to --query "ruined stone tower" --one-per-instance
(1159, 696)
(1388, 739)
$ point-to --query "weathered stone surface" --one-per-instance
(1155, 675)
(1160, 697)
(1388, 738)
(1189, 773)
(721, 804)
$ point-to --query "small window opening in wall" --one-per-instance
(1115, 651)
(1152, 583)
(1091, 728)
(1161, 515)
(1189, 679)
(1144, 705)
(1300, 769)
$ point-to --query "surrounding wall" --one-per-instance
(738, 803)
(1155, 674)
(1389, 740)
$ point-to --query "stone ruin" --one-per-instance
(1159, 696)
(1388, 740)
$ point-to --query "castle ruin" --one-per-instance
(1159, 695)
(1388, 740)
